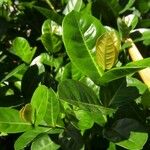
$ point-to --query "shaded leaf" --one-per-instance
(14, 71)
(49, 14)
(78, 94)
(30, 81)
(145, 99)
(127, 6)
(115, 94)
(120, 129)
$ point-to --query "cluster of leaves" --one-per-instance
(66, 79)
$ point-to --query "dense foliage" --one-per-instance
(67, 80)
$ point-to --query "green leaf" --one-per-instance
(30, 80)
(108, 10)
(10, 121)
(115, 94)
(51, 36)
(120, 130)
(120, 72)
(53, 109)
(143, 6)
(72, 5)
(78, 94)
(144, 35)
(52, 43)
(145, 98)
(106, 50)
(14, 71)
(27, 137)
(112, 146)
(136, 141)
(49, 14)
(85, 119)
(133, 82)
(39, 103)
(127, 6)
(26, 113)
(44, 143)
(22, 49)
(46, 27)
(131, 21)
(80, 32)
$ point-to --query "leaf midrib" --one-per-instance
(88, 50)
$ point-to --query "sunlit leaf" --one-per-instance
(53, 109)
(39, 103)
(80, 32)
(10, 121)
(72, 5)
(22, 49)
(136, 141)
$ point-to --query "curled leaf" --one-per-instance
(26, 113)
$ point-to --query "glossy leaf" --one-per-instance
(39, 103)
(106, 50)
(53, 109)
(44, 143)
(131, 21)
(10, 121)
(136, 141)
(80, 32)
(22, 49)
(78, 94)
(120, 72)
(72, 5)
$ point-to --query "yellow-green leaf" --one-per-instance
(26, 113)
(107, 50)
